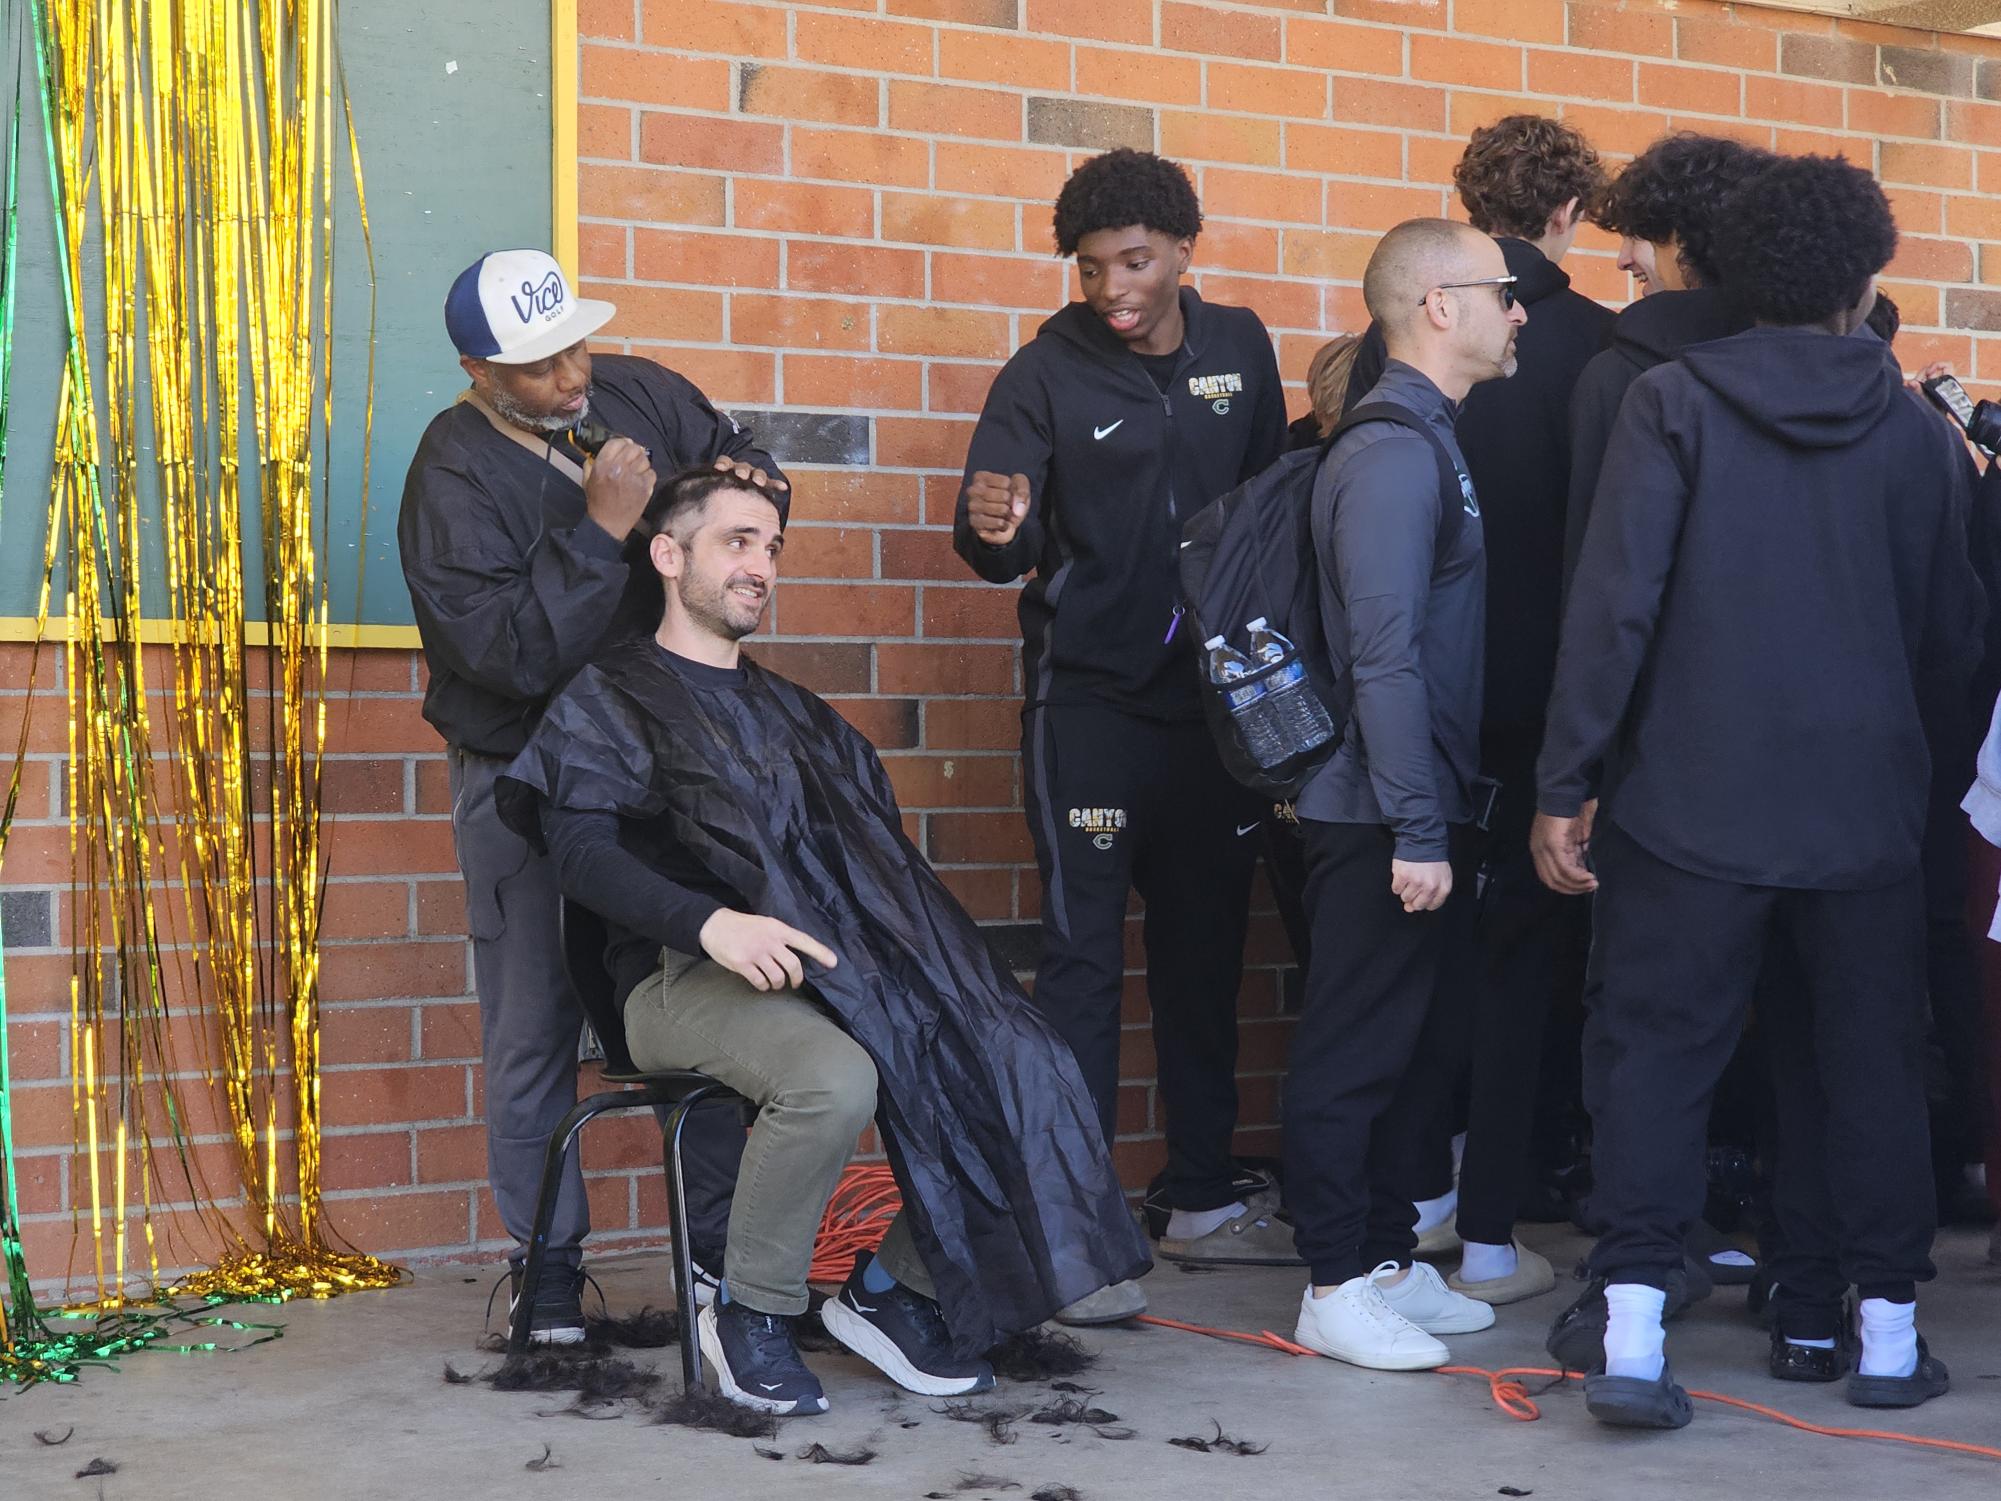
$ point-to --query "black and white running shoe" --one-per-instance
(902, 1334)
(708, 1276)
(756, 1363)
(558, 1314)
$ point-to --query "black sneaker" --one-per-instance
(756, 1363)
(558, 1314)
(902, 1334)
(1577, 1339)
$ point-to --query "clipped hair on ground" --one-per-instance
(1799, 241)
(1520, 170)
(1122, 188)
(1675, 190)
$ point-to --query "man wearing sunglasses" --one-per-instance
(1396, 525)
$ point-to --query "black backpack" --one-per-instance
(1251, 554)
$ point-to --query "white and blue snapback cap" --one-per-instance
(514, 307)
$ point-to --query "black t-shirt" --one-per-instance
(1160, 368)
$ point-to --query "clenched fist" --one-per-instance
(996, 505)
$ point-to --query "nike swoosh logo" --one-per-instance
(1245, 830)
(771, 1386)
(1100, 432)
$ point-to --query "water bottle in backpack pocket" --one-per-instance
(1246, 695)
(1297, 714)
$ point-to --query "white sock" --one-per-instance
(1432, 1213)
(1193, 1224)
(1485, 1263)
(1889, 1338)
(1731, 1258)
(1634, 1339)
(1811, 1344)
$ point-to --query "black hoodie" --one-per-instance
(1646, 333)
(1114, 468)
(1771, 598)
(1516, 437)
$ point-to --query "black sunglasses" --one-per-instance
(1505, 285)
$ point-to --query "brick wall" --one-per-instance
(834, 217)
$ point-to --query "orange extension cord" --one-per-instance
(867, 1199)
(1513, 1398)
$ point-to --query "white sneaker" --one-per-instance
(1354, 1324)
(1424, 1299)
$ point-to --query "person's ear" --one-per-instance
(1184, 253)
(666, 555)
(1564, 219)
(474, 368)
(1437, 312)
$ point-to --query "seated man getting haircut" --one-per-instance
(776, 929)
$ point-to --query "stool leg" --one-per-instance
(677, 1235)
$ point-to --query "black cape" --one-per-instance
(992, 1134)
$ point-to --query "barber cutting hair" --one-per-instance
(510, 539)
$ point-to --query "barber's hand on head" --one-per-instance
(996, 505)
(762, 949)
(618, 486)
(1422, 885)
(750, 472)
(1559, 847)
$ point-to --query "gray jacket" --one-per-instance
(1403, 624)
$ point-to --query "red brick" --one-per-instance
(648, 195)
(803, 208)
(612, 19)
(987, 894)
(699, 141)
(1579, 75)
(1377, 207)
(634, 76)
(856, 42)
(1288, 198)
(823, 666)
(1019, 62)
(809, 95)
(729, 377)
(942, 331)
(1241, 247)
(860, 270)
(946, 109)
(1192, 136)
(854, 495)
(660, 312)
(1127, 73)
(886, 723)
(1101, 20)
(975, 838)
(1619, 132)
(387, 1096)
(1298, 93)
(998, 171)
(923, 555)
(1728, 44)
(1341, 48)
(977, 611)
(452, 1154)
(798, 322)
(824, 552)
(1218, 33)
(449, 1031)
(1931, 260)
(1976, 124)
(967, 223)
(1372, 101)
(1702, 91)
(971, 724)
(365, 1161)
(851, 610)
(366, 909)
(997, 281)
(959, 781)
(1282, 304)
(957, 387)
(393, 1222)
(1630, 28)
(732, 30)
(368, 971)
(382, 847)
(1340, 257)
(1793, 102)
(1478, 65)
(819, 381)
(967, 12)
(1431, 13)
(921, 442)
(604, 251)
(708, 260)
(1925, 166)
(863, 156)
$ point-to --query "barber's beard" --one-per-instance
(711, 606)
(512, 411)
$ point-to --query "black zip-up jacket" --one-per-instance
(1772, 601)
(1515, 434)
(1646, 333)
(513, 586)
(1114, 468)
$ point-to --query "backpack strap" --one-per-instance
(1453, 482)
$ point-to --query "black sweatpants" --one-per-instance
(1675, 959)
(1376, 1051)
(1117, 803)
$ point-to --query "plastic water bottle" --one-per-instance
(1249, 705)
(1300, 720)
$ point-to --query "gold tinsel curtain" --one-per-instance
(192, 167)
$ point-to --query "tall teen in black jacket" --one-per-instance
(1772, 600)
(1128, 412)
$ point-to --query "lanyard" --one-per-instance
(547, 451)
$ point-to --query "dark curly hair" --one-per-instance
(1675, 190)
(1884, 318)
(1125, 187)
(1518, 171)
(1798, 242)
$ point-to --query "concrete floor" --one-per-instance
(350, 1404)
